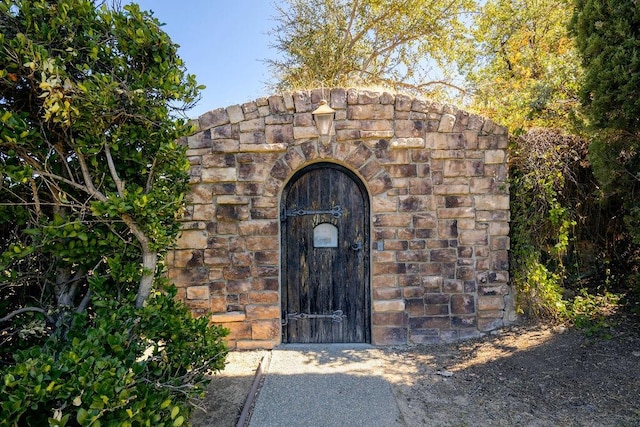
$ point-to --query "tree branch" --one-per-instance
(86, 175)
(147, 187)
(19, 311)
(85, 302)
(36, 198)
(114, 172)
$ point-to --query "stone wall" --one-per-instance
(436, 176)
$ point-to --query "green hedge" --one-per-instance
(116, 365)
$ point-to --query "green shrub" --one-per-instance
(592, 312)
(116, 365)
(543, 164)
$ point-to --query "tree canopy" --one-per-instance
(92, 174)
(521, 65)
(396, 44)
(92, 181)
(607, 35)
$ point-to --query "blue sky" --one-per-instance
(222, 42)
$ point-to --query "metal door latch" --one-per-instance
(336, 316)
(335, 212)
(356, 246)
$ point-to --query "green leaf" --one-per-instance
(82, 416)
(174, 412)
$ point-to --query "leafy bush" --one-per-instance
(544, 164)
(591, 312)
(93, 180)
(115, 365)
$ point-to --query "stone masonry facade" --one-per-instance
(437, 182)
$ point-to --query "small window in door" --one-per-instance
(325, 235)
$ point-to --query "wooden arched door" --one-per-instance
(325, 257)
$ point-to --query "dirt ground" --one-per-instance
(522, 376)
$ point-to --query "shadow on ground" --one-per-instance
(533, 376)
(523, 376)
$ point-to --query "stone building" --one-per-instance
(393, 229)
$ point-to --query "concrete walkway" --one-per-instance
(325, 385)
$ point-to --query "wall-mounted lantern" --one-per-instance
(323, 116)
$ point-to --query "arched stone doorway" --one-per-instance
(439, 214)
(325, 223)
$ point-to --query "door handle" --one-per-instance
(356, 246)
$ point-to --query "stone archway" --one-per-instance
(436, 176)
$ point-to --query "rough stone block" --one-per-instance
(392, 220)
(223, 132)
(235, 114)
(262, 312)
(225, 146)
(410, 129)
(213, 118)
(445, 141)
(482, 185)
(455, 213)
(432, 283)
(463, 322)
(398, 319)
(500, 260)
(415, 307)
(489, 302)
(302, 101)
(382, 293)
(252, 138)
(425, 336)
(463, 168)
(462, 304)
(403, 103)
(216, 257)
(497, 228)
(203, 212)
(267, 257)
(452, 286)
(231, 213)
(388, 305)
(384, 256)
(473, 237)
(276, 104)
(338, 98)
(232, 316)
(266, 284)
(265, 329)
(308, 132)
(218, 303)
(258, 228)
(492, 202)
(192, 239)
(218, 174)
(198, 292)
(493, 290)
(447, 121)
(494, 156)
(370, 112)
(279, 134)
(436, 310)
(444, 255)
(264, 297)
(490, 324)
(429, 322)
(256, 344)
(389, 335)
